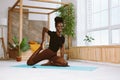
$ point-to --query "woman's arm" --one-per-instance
(43, 35)
(62, 50)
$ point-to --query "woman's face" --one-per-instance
(59, 27)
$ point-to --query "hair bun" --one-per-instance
(58, 19)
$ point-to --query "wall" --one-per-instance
(32, 29)
(4, 15)
(5, 40)
(110, 54)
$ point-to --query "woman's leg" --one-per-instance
(30, 60)
(58, 61)
(37, 57)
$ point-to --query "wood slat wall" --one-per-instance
(96, 53)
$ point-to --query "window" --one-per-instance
(101, 37)
(116, 36)
(103, 21)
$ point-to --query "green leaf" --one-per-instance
(15, 40)
(24, 46)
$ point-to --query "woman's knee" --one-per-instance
(30, 63)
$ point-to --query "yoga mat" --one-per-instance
(81, 68)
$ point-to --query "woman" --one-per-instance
(56, 42)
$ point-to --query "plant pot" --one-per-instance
(19, 58)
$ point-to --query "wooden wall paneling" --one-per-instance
(86, 50)
(91, 52)
(71, 55)
(81, 53)
(94, 54)
(117, 55)
(78, 51)
(71, 50)
(109, 54)
(103, 54)
(98, 55)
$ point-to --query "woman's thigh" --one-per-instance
(45, 54)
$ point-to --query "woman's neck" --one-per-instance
(58, 34)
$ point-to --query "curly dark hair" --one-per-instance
(58, 20)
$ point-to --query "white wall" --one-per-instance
(4, 4)
(4, 35)
(81, 21)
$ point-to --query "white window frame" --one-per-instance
(109, 27)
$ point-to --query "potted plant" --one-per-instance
(68, 15)
(22, 47)
(88, 39)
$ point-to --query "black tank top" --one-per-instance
(55, 41)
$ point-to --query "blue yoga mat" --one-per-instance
(81, 68)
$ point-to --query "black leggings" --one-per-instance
(47, 54)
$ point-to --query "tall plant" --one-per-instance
(68, 15)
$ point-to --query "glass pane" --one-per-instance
(104, 18)
(101, 37)
(96, 5)
(115, 16)
(119, 2)
(96, 36)
(96, 20)
(114, 3)
(119, 15)
(104, 37)
(115, 36)
(104, 4)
